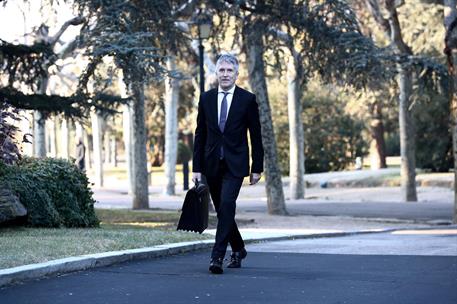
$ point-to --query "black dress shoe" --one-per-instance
(236, 257)
(215, 266)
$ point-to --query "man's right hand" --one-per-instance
(196, 176)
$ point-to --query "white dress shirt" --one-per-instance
(229, 98)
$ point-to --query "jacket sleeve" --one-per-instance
(200, 139)
(255, 134)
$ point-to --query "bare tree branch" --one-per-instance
(373, 7)
(395, 30)
(75, 21)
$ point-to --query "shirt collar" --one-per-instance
(231, 91)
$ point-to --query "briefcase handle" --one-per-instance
(198, 183)
(200, 187)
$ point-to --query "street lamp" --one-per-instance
(200, 29)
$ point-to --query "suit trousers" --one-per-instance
(224, 189)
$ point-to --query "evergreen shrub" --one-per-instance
(333, 138)
(433, 135)
(54, 191)
(184, 153)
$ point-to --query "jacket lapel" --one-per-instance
(233, 106)
(213, 107)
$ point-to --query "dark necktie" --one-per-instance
(223, 118)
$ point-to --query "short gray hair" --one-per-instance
(229, 58)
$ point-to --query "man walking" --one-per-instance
(221, 153)
(80, 155)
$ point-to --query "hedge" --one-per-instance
(54, 191)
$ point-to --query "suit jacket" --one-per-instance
(243, 115)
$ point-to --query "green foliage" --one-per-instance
(26, 63)
(9, 151)
(427, 35)
(422, 30)
(27, 68)
(325, 33)
(333, 138)
(155, 120)
(54, 192)
(184, 153)
(392, 143)
(138, 35)
(433, 135)
(334, 46)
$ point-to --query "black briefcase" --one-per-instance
(194, 216)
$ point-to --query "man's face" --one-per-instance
(226, 75)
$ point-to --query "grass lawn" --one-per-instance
(119, 230)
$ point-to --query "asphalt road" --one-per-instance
(266, 277)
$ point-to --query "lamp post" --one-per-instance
(200, 29)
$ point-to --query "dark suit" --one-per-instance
(225, 176)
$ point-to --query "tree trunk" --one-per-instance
(407, 142)
(113, 145)
(139, 159)
(171, 128)
(454, 141)
(450, 21)
(378, 145)
(27, 128)
(39, 129)
(253, 42)
(89, 151)
(107, 146)
(65, 139)
(392, 28)
(79, 131)
(127, 134)
(296, 134)
(52, 128)
(39, 135)
(39, 118)
(97, 148)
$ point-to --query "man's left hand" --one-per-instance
(254, 178)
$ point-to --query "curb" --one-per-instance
(55, 267)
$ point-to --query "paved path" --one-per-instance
(435, 204)
(420, 212)
(425, 242)
(269, 276)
